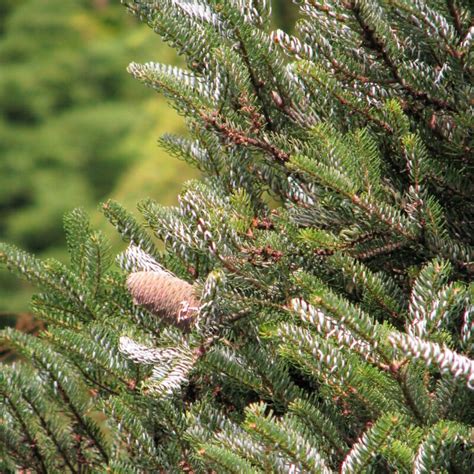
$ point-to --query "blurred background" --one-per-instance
(75, 128)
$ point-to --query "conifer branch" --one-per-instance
(240, 138)
(456, 17)
(31, 441)
(378, 45)
(256, 83)
(325, 335)
(50, 433)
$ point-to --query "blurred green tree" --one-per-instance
(67, 133)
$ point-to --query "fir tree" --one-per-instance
(328, 331)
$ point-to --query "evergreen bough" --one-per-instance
(334, 331)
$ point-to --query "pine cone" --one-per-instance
(166, 296)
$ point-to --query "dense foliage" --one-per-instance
(331, 331)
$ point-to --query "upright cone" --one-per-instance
(169, 297)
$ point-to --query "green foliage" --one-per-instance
(67, 133)
(334, 330)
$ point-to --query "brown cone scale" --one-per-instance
(166, 296)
